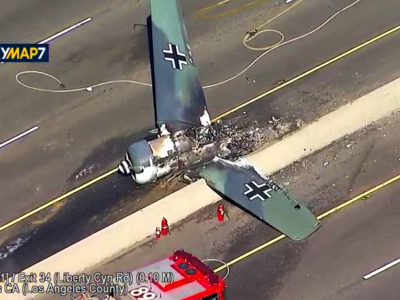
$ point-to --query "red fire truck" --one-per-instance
(181, 276)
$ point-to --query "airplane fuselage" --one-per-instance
(160, 155)
(174, 153)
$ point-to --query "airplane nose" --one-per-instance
(123, 168)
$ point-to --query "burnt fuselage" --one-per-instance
(158, 156)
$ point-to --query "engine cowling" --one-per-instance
(139, 163)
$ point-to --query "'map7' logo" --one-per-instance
(24, 53)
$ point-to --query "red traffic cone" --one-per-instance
(158, 233)
(221, 212)
(164, 227)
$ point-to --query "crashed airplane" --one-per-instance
(186, 139)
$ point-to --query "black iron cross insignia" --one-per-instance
(177, 58)
(254, 190)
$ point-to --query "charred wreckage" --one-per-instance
(186, 140)
(182, 153)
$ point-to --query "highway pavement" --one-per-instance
(84, 134)
(330, 264)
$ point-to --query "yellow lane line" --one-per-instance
(200, 13)
(58, 199)
(320, 217)
(269, 92)
(313, 70)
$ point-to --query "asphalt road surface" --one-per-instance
(331, 263)
(84, 134)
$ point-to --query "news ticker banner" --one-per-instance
(24, 53)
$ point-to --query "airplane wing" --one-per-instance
(260, 196)
(179, 96)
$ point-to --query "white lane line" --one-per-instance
(382, 269)
(66, 30)
(17, 137)
(62, 32)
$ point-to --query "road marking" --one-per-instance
(200, 13)
(66, 30)
(382, 269)
(293, 80)
(19, 136)
(62, 32)
(313, 70)
(320, 217)
(56, 200)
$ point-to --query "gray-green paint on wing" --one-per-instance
(179, 96)
(262, 197)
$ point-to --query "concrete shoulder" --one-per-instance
(176, 207)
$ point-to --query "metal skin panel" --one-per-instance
(179, 96)
(140, 153)
(260, 196)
